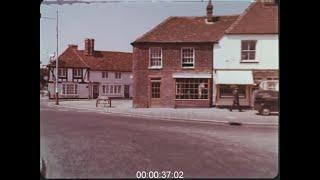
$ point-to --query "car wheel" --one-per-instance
(265, 111)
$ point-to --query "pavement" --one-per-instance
(78, 143)
(213, 115)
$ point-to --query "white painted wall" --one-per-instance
(227, 53)
(126, 79)
(96, 76)
(82, 91)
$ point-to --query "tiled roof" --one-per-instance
(188, 29)
(108, 60)
(101, 60)
(258, 18)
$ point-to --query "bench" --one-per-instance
(103, 100)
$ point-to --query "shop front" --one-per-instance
(226, 80)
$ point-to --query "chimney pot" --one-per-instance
(209, 12)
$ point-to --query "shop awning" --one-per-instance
(234, 77)
(192, 75)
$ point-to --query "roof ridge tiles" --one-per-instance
(154, 28)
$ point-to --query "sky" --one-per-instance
(115, 25)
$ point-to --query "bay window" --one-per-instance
(69, 89)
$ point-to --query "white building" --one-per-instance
(89, 73)
(247, 54)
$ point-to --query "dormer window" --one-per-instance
(155, 58)
(248, 50)
(188, 57)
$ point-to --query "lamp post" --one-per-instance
(56, 56)
(57, 60)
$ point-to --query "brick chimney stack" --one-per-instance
(209, 12)
(89, 47)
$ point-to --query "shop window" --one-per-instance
(192, 89)
(226, 91)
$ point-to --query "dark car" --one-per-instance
(266, 101)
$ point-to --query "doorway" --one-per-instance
(126, 91)
(155, 93)
(95, 91)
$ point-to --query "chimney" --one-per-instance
(73, 46)
(89, 47)
(209, 12)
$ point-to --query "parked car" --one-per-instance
(266, 101)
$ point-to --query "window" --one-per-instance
(155, 89)
(77, 72)
(104, 74)
(119, 88)
(155, 58)
(62, 72)
(226, 91)
(192, 88)
(111, 89)
(118, 75)
(70, 89)
(188, 57)
(105, 89)
(248, 50)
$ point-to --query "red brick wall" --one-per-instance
(171, 61)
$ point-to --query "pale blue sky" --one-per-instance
(115, 25)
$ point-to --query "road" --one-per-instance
(80, 144)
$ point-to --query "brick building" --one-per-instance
(173, 62)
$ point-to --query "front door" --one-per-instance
(155, 93)
(126, 91)
(95, 91)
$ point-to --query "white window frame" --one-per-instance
(75, 88)
(78, 74)
(194, 58)
(248, 51)
(63, 72)
(104, 74)
(117, 75)
(150, 58)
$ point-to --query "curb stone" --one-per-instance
(171, 118)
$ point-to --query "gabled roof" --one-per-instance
(108, 60)
(100, 61)
(187, 29)
(258, 18)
